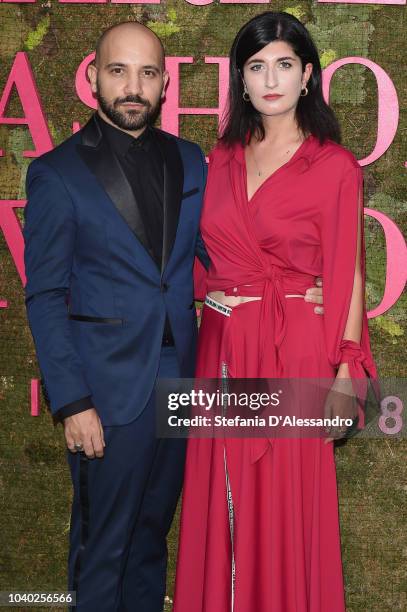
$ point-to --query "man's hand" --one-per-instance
(85, 428)
(315, 295)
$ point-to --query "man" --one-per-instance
(111, 233)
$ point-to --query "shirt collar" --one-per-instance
(122, 142)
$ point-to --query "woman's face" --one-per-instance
(274, 79)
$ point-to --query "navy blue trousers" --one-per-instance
(122, 510)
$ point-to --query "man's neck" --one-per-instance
(133, 133)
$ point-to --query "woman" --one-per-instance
(283, 204)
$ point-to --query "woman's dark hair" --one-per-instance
(313, 115)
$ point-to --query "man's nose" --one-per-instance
(133, 85)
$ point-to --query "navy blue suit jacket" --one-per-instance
(96, 300)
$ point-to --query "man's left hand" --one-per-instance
(315, 295)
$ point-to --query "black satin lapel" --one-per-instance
(91, 134)
(173, 186)
(102, 162)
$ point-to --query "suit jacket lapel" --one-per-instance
(173, 185)
(102, 162)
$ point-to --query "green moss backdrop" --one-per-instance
(34, 482)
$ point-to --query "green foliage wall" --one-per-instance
(34, 484)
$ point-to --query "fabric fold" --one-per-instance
(361, 369)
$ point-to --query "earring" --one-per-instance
(245, 95)
(305, 89)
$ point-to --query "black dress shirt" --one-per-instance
(142, 163)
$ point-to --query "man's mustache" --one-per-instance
(134, 99)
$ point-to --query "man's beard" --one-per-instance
(130, 119)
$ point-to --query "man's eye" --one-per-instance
(285, 64)
(149, 73)
(117, 70)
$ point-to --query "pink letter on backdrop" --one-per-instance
(396, 265)
(388, 107)
(364, 1)
(10, 225)
(171, 109)
(35, 397)
(22, 77)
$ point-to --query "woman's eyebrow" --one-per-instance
(279, 59)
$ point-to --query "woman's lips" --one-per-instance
(272, 96)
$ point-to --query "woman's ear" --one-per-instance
(306, 74)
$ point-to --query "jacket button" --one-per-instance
(164, 287)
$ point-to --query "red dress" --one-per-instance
(266, 537)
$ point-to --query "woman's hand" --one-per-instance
(340, 402)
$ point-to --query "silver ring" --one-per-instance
(78, 447)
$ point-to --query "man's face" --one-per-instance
(129, 80)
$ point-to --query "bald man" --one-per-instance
(111, 233)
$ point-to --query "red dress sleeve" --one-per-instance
(339, 239)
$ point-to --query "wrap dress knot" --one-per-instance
(273, 328)
(273, 320)
(273, 283)
(273, 317)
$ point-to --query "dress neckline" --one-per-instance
(303, 151)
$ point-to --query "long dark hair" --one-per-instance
(313, 115)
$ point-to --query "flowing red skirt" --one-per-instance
(286, 538)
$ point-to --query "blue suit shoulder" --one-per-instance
(57, 158)
(187, 145)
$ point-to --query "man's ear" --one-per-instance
(92, 73)
(166, 79)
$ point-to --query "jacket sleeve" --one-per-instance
(200, 250)
(339, 237)
(49, 235)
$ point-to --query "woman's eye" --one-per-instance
(285, 64)
(256, 67)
